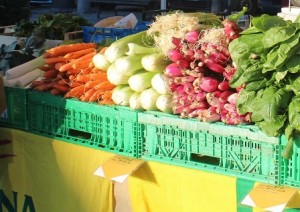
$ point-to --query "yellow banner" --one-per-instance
(45, 175)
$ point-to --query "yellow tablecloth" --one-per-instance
(47, 175)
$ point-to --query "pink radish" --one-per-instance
(173, 70)
(209, 84)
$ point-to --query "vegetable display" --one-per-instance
(266, 55)
(194, 65)
(70, 71)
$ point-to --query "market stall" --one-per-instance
(200, 112)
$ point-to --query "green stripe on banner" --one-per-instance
(243, 187)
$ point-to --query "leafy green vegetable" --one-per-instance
(276, 35)
(266, 22)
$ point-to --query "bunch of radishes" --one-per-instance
(199, 75)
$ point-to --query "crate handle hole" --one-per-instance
(205, 159)
(79, 134)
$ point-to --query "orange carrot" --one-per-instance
(96, 96)
(53, 60)
(58, 65)
(105, 85)
(86, 71)
(83, 64)
(78, 54)
(93, 83)
(75, 92)
(91, 77)
(87, 95)
(72, 71)
(65, 49)
(75, 84)
(69, 65)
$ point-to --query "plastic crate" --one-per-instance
(240, 151)
(290, 169)
(110, 128)
(15, 115)
(97, 35)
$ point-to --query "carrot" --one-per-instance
(53, 60)
(50, 74)
(91, 77)
(93, 83)
(87, 95)
(63, 81)
(65, 49)
(75, 84)
(46, 67)
(86, 71)
(96, 96)
(105, 85)
(58, 65)
(69, 65)
(72, 77)
(75, 92)
(36, 83)
(83, 64)
(106, 102)
(72, 71)
(42, 87)
(55, 92)
(78, 54)
(62, 88)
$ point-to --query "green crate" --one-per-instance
(240, 151)
(15, 115)
(110, 128)
(290, 169)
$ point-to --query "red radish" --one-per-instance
(229, 72)
(174, 55)
(183, 80)
(200, 96)
(200, 104)
(213, 100)
(230, 107)
(183, 63)
(184, 113)
(195, 113)
(207, 116)
(192, 36)
(188, 54)
(177, 42)
(232, 98)
(214, 66)
(224, 85)
(218, 57)
(177, 109)
(179, 90)
(223, 98)
(197, 72)
(209, 84)
(189, 88)
(173, 70)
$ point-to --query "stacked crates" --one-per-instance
(110, 128)
(15, 115)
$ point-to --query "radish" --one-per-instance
(173, 70)
(174, 55)
(224, 85)
(192, 36)
(209, 84)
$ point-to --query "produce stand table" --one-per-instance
(44, 174)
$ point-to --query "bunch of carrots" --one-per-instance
(69, 71)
